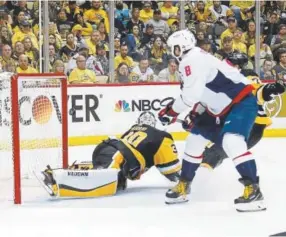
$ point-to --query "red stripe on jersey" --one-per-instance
(195, 157)
(243, 155)
(245, 92)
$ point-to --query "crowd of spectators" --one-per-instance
(19, 36)
(79, 37)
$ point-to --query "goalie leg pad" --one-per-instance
(85, 183)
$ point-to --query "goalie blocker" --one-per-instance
(114, 161)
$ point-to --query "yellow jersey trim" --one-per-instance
(137, 155)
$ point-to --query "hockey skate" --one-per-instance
(252, 198)
(46, 179)
(179, 193)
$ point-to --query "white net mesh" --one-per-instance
(40, 127)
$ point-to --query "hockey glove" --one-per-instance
(270, 90)
(132, 173)
(188, 123)
(167, 115)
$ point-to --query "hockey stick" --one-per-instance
(179, 121)
(165, 128)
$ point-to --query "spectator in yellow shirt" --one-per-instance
(25, 30)
(232, 26)
(93, 41)
(240, 8)
(237, 41)
(146, 13)
(169, 12)
(85, 27)
(123, 58)
(31, 52)
(242, 5)
(202, 13)
(249, 35)
(24, 65)
(96, 14)
(81, 75)
(265, 51)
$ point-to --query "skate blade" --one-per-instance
(255, 206)
(171, 201)
(40, 177)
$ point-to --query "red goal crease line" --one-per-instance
(32, 144)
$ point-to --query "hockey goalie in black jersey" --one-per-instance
(114, 161)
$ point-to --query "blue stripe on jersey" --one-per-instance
(222, 84)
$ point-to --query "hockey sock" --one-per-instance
(189, 166)
(246, 166)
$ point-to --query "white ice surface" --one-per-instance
(141, 211)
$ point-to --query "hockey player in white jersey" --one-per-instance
(209, 84)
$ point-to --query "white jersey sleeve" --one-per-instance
(194, 76)
(212, 82)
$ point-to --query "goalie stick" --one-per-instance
(179, 121)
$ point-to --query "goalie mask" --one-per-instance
(147, 118)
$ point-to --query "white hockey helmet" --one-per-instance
(181, 41)
(147, 118)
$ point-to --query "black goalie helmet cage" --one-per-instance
(147, 118)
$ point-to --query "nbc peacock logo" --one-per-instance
(122, 106)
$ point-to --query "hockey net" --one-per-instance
(33, 131)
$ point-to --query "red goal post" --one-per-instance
(37, 134)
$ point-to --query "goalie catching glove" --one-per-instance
(168, 115)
